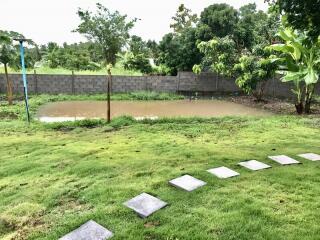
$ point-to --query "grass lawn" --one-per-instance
(117, 70)
(55, 178)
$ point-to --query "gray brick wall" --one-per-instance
(183, 82)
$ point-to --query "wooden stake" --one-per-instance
(9, 85)
(108, 96)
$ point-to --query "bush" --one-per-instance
(139, 62)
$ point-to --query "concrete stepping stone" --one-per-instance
(254, 165)
(187, 183)
(145, 204)
(223, 172)
(310, 156)
(284, 160)
(89, 231)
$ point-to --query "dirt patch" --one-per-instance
(8, 115)
(275, 105)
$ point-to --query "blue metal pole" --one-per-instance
(25, 83)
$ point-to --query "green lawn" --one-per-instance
(52, 181)
(117, 70)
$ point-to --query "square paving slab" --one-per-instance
(89, 231)
(284, 160)
(144, 204)
(187, 183)
(223, 172)
(310, 156)
(254, 165)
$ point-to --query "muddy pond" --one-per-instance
(73, 110)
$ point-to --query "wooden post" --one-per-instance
(35, 77)
(72, 83)
(9, 85)
(109, 80)
(178, 85)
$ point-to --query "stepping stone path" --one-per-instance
(310, 156)
(254, 165)
(89, 231)
(187, 183)
(284, 160)
(223, 172)
(144, 204)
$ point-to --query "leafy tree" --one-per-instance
(220, 55)
(183, 19)
(78, 56)
(301, 15)
(30, 57)
(137, 56)
(153, 49)
(179, 52)
(300, 64)
(217, 20)
(137, 61)
(240, 52)
(253, 72)
(7, 56)
(254, 27)
(137, 45)
(108, 29)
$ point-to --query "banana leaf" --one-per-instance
(311, 77)
(293, 76)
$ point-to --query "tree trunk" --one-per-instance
(299, 102)
(258, 94)
(308, 98)
(299, 107)
(9, 85)
(108, 96)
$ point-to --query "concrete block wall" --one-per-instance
(183, 82)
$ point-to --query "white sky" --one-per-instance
(53, 20)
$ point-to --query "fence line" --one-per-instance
(183, 82)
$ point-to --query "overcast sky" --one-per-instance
(53, 20)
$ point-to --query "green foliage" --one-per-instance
(299, 63)
(8, 51)
(137, 45)
(250, 29)
(220, 55)
(217, 20)
(108, 29)
(137, 56)
(179, 52)
(183, 19)
(153, 49)
(42, 68)
(162, 70)
(139, 62)
(73, 57)
(253, 72)
(301, 15)
(255, 27)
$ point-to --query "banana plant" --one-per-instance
(298, 63)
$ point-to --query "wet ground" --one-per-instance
(72, 110)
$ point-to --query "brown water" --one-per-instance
(181, 108)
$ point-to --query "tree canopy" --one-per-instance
(301, 15)
(217, 20)
(183, 19)
(108, 29)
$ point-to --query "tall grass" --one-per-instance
(117, 70)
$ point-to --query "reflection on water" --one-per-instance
(77, 110)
